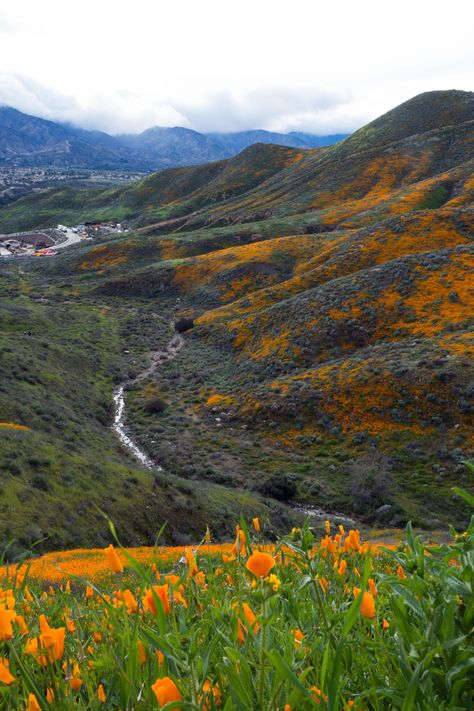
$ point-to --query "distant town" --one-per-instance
(46, 243)
(16, 182)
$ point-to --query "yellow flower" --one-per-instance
(256, 524)
(273, 581)
(101, 694)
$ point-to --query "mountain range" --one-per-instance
(327, 296)
(29, 141)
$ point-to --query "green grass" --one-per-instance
(58, 382)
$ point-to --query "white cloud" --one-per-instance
(322, 67)
(274, 109)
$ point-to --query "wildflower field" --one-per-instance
(329, 623)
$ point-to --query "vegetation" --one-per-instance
(325, 298)
(59, 458)
(331, 624)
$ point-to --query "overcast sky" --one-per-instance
(322, 66)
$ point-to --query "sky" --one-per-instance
(320, 66)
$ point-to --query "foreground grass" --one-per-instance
(306, 623)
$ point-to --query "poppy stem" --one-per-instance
(261, 683)
(317, 592)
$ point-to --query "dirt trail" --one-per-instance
(157, 358)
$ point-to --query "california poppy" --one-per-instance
(33, 704)
(260, 564)
(209, 692)
(249, 615)
(367, 605)
(49, 645)
(149, 599)
(166, 690)
(5, 676)
(113, 560)
(6, 629)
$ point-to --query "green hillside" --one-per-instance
(330, 362)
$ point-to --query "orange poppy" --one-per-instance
(113, 560)
(260, 564)
(166, 690)
(5, 676)
(149, 600)
(6, 629)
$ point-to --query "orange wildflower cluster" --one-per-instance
(93, 565)
(70, 636)
(14, 426)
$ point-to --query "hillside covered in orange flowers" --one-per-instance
(328, 297)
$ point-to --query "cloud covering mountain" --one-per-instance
(318, 67)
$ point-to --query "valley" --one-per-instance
(325, 300)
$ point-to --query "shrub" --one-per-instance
(183, 324)
(155, 406)
(369, 482)
(281, 487)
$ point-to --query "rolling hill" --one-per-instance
(330, 293)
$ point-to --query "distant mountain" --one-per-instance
(236, 142)
(29, 141)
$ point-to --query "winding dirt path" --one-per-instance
(157, 358)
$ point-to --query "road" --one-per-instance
(71, 238)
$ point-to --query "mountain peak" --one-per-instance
(425, 112)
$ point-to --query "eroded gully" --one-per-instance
(157, 358)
